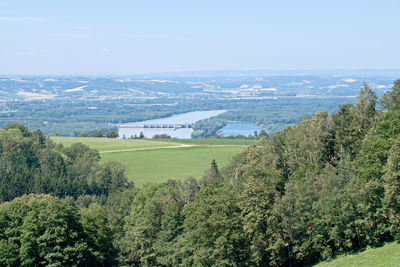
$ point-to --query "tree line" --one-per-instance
(328, 185)
(98, 133)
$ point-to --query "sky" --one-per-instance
(129, 37)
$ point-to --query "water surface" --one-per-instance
(236, 128)
(184, 133)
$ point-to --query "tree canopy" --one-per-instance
(327, 185)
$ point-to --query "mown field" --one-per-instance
(387, 255)
(110, 144)
(157, 161)
(158, 165)
(209, 141)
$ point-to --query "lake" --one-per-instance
(235, 128)
(184, 133)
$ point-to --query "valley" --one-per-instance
(71, 105)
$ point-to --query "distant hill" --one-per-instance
(70, 105)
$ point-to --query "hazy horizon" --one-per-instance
(127, 38)
(222, 72)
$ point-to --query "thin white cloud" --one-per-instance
(106, 50)
(20, 19)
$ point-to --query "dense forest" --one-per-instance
(328, 185)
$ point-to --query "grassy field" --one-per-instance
(210, 141)
(157, 161)
(110, 144)
(388, 255)
(158, 165)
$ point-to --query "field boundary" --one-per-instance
(166, 147)
(145, 148)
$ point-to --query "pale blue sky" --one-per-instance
(126, 37)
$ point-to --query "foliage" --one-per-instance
(392, 187)
(256, 198)
(391, 99)
(325, 186)
(161, 136)
(111, 134)
(350, 124)
(153, 225)
(216, 209)
(375, 148)
(41, 230)
(32, 163)
(97, 134)
(207, 127)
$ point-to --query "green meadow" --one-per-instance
(210, 141)
(385, 256)
(158, 165)
(110, 144)
(157, 161)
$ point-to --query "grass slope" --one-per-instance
(110, 144)
(388, 255)
(158, 165)
(210, 141)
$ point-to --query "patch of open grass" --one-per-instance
(387, 255)
(110, 144)
(158, 165)
(209, 141)
(161, 164)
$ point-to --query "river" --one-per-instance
(184, 133)
(236, 128)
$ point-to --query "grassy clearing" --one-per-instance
(387, 255)
(209, 141)
(158, 165)
(110, 144)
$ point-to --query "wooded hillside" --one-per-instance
(328, 185)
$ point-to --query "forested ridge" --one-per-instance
(328, 185)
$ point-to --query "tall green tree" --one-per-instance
(111, 134)
(391, 99)
(99, 236)
(392, 187)
(365, 109)
(376, 145)
(308, 145)
(350, 124)
(344, 130)
(37, 230)
(213, 229)
(153, 226)
(212, 176)
(257, 195)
